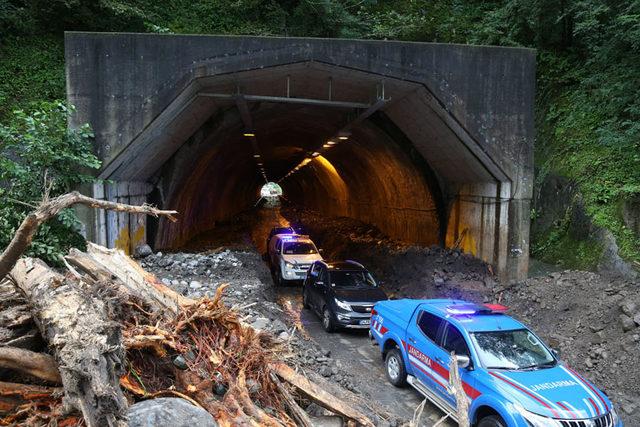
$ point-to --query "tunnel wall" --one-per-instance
(370, 179)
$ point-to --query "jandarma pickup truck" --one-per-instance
(511, 378)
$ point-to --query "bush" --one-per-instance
(40, 158)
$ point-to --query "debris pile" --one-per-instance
(250, 291)
(594, 321)
(117, 335)
(405, 270)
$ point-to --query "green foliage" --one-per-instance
(588, 108)
(31, 71)
(40, 157)
(560, 246)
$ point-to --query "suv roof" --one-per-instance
(347, 265)
(477, 322)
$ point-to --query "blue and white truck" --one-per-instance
(511, 378)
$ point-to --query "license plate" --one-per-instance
(365, 322)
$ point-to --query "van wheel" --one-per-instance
(492, 421)
(327, 320)
(395, 369)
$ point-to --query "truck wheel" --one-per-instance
(492, 421)
(394, 364)
(327, 321)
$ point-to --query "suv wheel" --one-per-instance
(327, 320)
(305, 298)
(492, 421)
(278, 277)
(394, 367)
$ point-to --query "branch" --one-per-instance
(38, 365)
(49, 209)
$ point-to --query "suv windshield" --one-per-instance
(352, 279)
(518, 349)
(299, 248)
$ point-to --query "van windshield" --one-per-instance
(299, 248)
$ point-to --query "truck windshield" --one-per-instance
(352, 279)
(515, 350)
(299, 248)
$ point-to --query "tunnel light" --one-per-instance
(249, 134)
(331, 143)
(343, 138)
(315, 154)
(326, 146)
(257, 156)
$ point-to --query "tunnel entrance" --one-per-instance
(379, 132)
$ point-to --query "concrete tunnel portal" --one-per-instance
(430, 143)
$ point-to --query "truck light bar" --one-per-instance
(468, 309)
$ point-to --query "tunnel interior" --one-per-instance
(339, 141)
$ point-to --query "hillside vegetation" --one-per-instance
(588, 108)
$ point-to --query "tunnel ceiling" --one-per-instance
(286, 132)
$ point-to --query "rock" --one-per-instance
(325, 371)
(166, 281)
(327, 421)
(194, 284)
(158, 254)
(629, 308)
(627, 323)
(168, 412)
(260, 323)
(180, 362)
(143, 251)
(636, 319)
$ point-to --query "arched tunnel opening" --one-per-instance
(367, 175)
(396, 136)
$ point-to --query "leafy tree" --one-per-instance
(41, 158)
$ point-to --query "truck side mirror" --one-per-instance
(463, 361)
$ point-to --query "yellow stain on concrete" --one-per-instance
(123, 242)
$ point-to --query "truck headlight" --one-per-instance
(614, 415)
(536, 420)
(288, 265)
(343, 305)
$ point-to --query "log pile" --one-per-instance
(115, 335)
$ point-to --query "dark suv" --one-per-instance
(341, 293)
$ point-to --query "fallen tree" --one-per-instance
(52, 207)
(137, 328)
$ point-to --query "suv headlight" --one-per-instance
(343, 305)
(535, 420)
(288, 265)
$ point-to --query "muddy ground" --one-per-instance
(593, 320)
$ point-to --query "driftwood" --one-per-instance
(456, 388)
(319, 395)
(13, 395)
(299, 414)
(102, 263)
(76, 323)
(39, 365)
(49, 209)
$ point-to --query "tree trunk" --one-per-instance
(74, 319)
(49, 209)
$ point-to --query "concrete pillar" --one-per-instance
(117, 229)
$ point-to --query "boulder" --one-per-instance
(168, 412)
